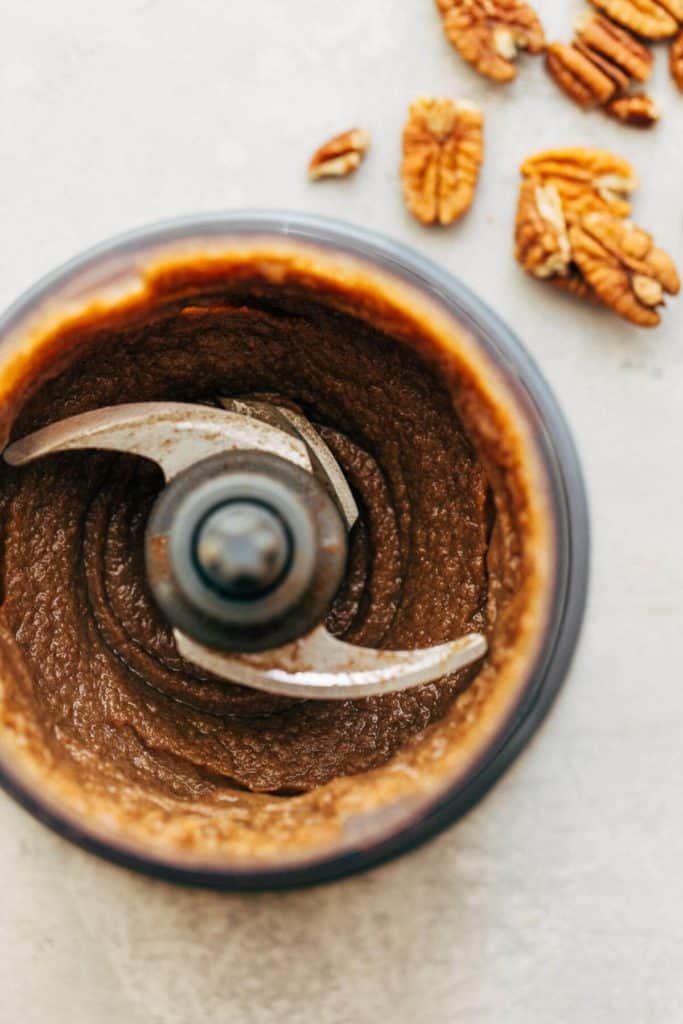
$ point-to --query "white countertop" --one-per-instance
(559, 899)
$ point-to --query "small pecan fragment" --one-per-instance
(651, 19)
(489, 33)
(623, 266)
(443, 147)
(587, 179)
(339, 156)
(578, 76)
(676, 61)
(638, 110)
(616, 45)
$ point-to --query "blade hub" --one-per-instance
(243, 549)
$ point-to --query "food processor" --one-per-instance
(248, 540)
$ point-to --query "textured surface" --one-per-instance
(558, 899)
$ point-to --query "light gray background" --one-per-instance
(558, 901)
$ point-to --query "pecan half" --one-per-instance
(489, 33)
(339, 156)
(623, 266)
(615, 44)
(578, 76)
(587, 179)
(647, 18)
(676, 61)
(541, 239)
(443, 148)
(542, 243)
(637, 110)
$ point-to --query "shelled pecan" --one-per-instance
(586, 179)
(339, 156)
(542, 243)
(571, 231)
(443, 148)
(624, 267)
(541, 238)
(600, 66)
(489, 33)
(638, 110)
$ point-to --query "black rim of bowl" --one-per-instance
(572, 544)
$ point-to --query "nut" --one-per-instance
(638, 110)
(599, 67)
(489, 33)
(542, 243)
(676, 61)
(650, 19)
(586, 179)
(616, 45)
(623, 266)
(541, 240)
(340, 156)
(612, 71)
(570, 231)
(443, 147)
(580, 78)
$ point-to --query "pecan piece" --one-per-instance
(542, 243)
(489, 33)
(339, 156)
(651, 19)
(623, 266)
(638, 110)
(587, 179)
(541, 239)
(443, 148)
(578, 76)
(676, 61)
(615, 45)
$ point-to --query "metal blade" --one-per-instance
(173, 434)
(320, 667)
(296, 424)
(176, 435)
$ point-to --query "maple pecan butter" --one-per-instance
(98, 709)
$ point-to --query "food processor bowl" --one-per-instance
(114, 272)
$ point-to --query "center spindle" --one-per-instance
(243, 549)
